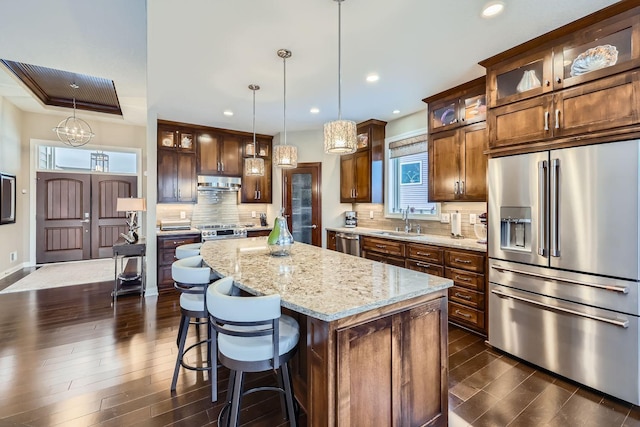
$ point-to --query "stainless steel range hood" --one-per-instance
(225, 183)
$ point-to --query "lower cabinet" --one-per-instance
(331, 240)
(166, 255)
(383, 250)
(467, 302)
(258, 233)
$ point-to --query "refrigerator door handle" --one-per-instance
(542, 228)
(620, 289)
(620, 323)
(553, 220)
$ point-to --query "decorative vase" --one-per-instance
(280, 239)
(529, 81)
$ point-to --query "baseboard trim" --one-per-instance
(16, 268)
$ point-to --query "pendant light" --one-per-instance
(254, 166)
(285, 156)
(340, 136)
(73, 131)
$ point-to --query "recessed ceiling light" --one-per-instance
(228, 113)
(492, 9)
(373, 78)
(396, 111)
(314, 110)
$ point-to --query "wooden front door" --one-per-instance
(106, 222)
(63, 210)
(302, 202)
(76, 217)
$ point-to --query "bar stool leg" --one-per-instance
(288, 392)
(182, 338)
(234, 415)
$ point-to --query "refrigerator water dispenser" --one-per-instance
(515, 228)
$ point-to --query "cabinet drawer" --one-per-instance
(466, 315)
(385, 259)
(465, 279)
(167, 257)
(175, 241)
(430, 254)
(165, 280)
(425, 267)
(467, 297)
(465, 260)
(390, 247)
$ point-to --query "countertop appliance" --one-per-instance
(175, 224)
(564, 268)
(221, 231)
(348, 243)
(350, 219)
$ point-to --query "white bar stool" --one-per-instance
(191, 278)
(188, 250)
(252, 336)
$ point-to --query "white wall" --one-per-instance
(14, 237)
(409, 123)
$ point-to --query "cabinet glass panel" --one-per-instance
(186, 140)
(363, 140)
(445, 115)
(167, 138)
(605, 52)
(475, 108)
(261, 148)
(521, 79)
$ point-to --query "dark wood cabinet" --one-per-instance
(219, 154)
(574, 85)
(176, 138)
(176, 176)
(167, 245)
(258, 189)
(331, 240)
(459, 106)
(362, 173)
(257, 233)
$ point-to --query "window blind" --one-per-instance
(405, 147)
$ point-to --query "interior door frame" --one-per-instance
(315, 168)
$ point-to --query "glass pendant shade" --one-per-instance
(285, 156)
(340, 137)
(254, 166)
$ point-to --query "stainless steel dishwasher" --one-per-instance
(348, 243)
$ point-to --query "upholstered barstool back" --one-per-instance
(252, 336)
(191, 278)
(189, 250)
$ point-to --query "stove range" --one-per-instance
(221, 231)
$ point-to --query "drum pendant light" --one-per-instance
(285, 156)
(254, 166)
(340, 136)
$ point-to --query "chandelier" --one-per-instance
(72, 130)
(340, 136)
(254, 166)
(285, 156)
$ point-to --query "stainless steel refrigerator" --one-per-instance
(564, 246)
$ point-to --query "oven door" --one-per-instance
(595, 347)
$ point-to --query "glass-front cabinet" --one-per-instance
(449, 110)
(180, 139)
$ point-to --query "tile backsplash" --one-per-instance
(363, 211)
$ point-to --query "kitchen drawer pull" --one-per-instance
(621, 289)
(464, 279)
(621, 323)
(459, 313)
(421, 264)
(178, 243)
(423, 253)
(459, 295)
(381, 246)
(463, 261)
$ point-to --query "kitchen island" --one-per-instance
(373, 336)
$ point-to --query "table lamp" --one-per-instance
(131, 206)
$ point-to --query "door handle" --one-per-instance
(314, 226)
(461, 187)
(557, 119)
(546, 120)
(85, 220)
(222, 166)
(455, 188)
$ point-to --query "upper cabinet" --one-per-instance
(219, 154)
(257, 189)
(575, 84)
(458, 138)
(176, 164)
(362, 173)
(176, 138)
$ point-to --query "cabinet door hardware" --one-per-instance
(463, 261)
(546, 120)
(459, 295)
(459, 313)
(461, 187)
(463, 279)
(557, 119)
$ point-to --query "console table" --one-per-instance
(129, 261)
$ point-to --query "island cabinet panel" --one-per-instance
(390, 372)
(167, 245)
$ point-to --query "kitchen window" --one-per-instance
(408, 179)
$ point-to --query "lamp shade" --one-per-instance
(254, 166)
(340, 137)
(285, 156)
(130, 204)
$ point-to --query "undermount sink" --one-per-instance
(394, 233)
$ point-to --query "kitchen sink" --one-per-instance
(394, 233)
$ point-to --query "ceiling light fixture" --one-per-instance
(492, 9)
(285, 156)
(228, 113)
(72, 130)
(254, 166)
(314, 110)
(340, 136)
(373, 78)
(396, 111)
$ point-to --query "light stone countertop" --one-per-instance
(430, 239)
(171, 232)
(317, 282)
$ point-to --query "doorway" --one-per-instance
(302, 202)
(76, 217)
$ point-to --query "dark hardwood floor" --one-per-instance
(70, 358)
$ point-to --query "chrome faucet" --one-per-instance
(407, 224)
